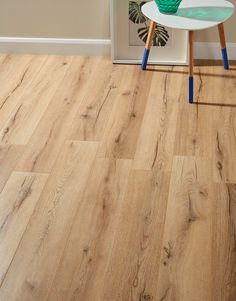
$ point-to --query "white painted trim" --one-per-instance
(213, 50)
(55, 46)
(94, 47)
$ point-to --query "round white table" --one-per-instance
(192, 15)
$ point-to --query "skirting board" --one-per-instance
(55, 46)
(93, 47)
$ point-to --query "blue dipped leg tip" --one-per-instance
(145, 59)
(225, 58)
(190, 89)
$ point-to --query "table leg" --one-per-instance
(191, 66)
(223, 45)
(148, 45)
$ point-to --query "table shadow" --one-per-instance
(217, 14)
(214, 104)
(195, 73)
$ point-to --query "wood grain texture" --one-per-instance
(112, 186)
(186, 244)
(224, 145)
(9, 156)
(194, 127)
(92, 235)
(16, 75)
(49, 136)
(17, 202)
(137, 241)
(94, 111)
(121, 135)
(197, 125)
(31, 106)
(223, 247)
(155, 145)
(50, 225)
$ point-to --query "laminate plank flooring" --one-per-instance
(93, 112)
(112, 186)
(17, 202)
(53, 129)
(121, 134)
(97, 219)
(9, 156)
(155, 146)
(16, 74)
(50, 224)
(185, 272)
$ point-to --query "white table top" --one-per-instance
(192, 14)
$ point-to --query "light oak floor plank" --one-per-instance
(155, 146)
(9, 156)
(224, 242)
(224, 145)
(17, 73)
(53, 128)
(137, 241)
(17, 202)
(121, 135)
(30, 108)
(92, 234)
(94, 111)
(195, 123)
(185, 265)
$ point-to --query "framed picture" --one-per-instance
(129, 31)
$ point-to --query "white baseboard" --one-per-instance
(55, 46)
(213, 51)
(93, 47)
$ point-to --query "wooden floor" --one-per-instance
(113, 187)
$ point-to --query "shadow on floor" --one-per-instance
(196, 73)
(212, 63)
(215, 104)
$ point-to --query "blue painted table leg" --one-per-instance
(190, 89)
(148, 45)
(223, 45)
(225, 58)
(145, 59)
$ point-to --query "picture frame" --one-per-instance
(123, 47)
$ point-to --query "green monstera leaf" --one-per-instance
(160, 38)
(135, 12)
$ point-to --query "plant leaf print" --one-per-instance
(160, 38)
(161, 35)
(135, 12)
